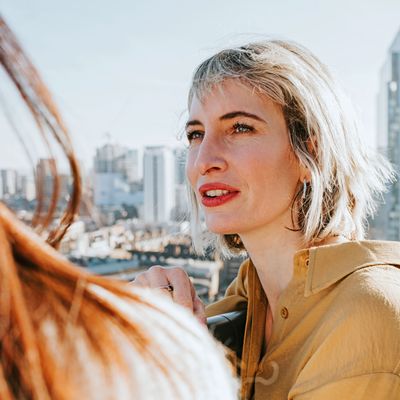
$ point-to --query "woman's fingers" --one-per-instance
(182, 293)
(158, 277)
(199, 310)
(198, 306)
(155, 278)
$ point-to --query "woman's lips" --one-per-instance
(218, 200)
(216, 194)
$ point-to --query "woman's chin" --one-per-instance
(221, 230)
(222, 225)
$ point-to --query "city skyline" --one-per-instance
(386, 224)
(113, 185)
(124, 71)
(90, 166)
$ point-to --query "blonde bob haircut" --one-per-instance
(346, 178)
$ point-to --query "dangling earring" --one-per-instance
(303, 196)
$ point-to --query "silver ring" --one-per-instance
(168, 288)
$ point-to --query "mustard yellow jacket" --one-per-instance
(337, 331)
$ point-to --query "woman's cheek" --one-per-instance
(190, 170)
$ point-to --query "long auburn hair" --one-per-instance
(68, 334)
(50, 124)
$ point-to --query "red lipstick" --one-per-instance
(216, 194)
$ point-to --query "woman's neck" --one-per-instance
(272, 255)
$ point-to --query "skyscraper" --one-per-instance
(104, 160)
(43, 172)
(9, 182)
(117, 159)
(159, 184)
(28, 189)
(128, 164)
(115, 169)
(387, 222)
(46, 181)
(181, 197)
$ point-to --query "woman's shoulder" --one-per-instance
(372, 289)
(364, 318)
(358, 332)
(367, 270)
(373, 277)
(361, 281)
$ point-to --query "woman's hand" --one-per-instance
(181, 288)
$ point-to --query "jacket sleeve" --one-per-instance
(377, 386)
(235, 296)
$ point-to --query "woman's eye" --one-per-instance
(242, 128)
(194, 135)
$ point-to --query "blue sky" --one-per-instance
(124, 67)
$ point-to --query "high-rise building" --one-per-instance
(159, 184)
(128, 165)
(46, 182)
(45, 177)
(181, 196)
(117, 159)
(115, 172)
(180, 164)
(387, 223)
(28, 189)
(9, 179)
(104, 160)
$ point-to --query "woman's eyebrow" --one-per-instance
(235, 114)
(193, 122)
(229, 115)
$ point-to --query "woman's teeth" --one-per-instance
(216, 193)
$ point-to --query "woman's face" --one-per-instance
(240, 162)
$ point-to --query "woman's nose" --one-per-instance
(211, 157)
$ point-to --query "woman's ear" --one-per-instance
(312, 147)
(305, 174)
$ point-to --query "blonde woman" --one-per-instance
(277, 167)
(67, 334)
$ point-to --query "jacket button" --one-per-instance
(284, 313)
(307, 262)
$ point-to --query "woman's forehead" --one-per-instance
(231, 95)
(220, 85)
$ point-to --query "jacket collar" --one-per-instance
(328, 264)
